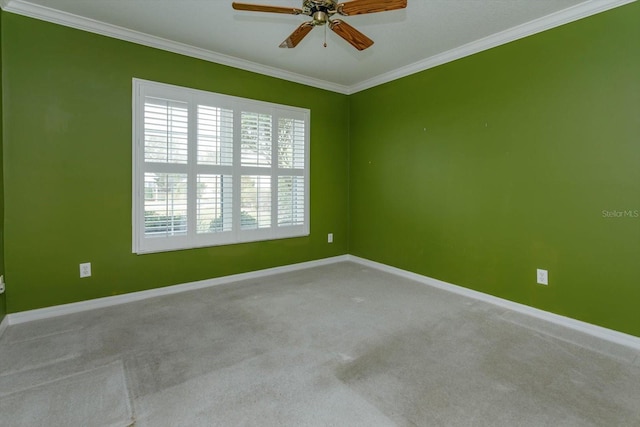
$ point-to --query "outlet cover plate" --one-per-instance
(85, 269)
(543, 277)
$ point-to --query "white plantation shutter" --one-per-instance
(215, 136)
(291, 143)
(215, 203)
(211, 169)
(256, 139)
(255, 196)
(292, 191)
(165, 142)
(165, 131)
(291, 200)
(165, 214)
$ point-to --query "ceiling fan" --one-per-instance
(321, 13)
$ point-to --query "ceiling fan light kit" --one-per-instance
(321, 13)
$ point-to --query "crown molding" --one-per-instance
(43, 13)
(571, 14)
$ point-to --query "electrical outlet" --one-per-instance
(85, 269)
(543, 277)
(2, 284)
(330, 238)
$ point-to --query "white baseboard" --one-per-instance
(599, 332)
(609, 335)
(76, 307)
(4, 325)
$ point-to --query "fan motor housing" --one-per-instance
(319, 10)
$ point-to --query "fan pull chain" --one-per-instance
(325, 36)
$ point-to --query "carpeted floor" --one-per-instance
(338, 345)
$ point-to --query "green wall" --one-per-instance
(67, 114)
(3, 305)
(476, 172)
(479, 171)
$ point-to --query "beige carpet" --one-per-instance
(339, 345)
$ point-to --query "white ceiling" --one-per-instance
(425, 34)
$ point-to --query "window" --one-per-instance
(211, 169)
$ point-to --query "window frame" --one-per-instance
(142, 89)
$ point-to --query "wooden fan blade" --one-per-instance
(350, 34)
(264, 8)
(297, 36)
(357, 7)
